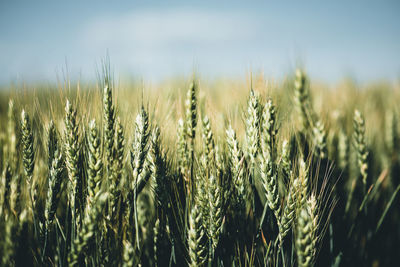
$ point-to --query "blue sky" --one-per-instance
(155, 40)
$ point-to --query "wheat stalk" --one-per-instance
(252, 126)
(195, 236)
(109, 122)
(391, 132)
(95, 163)
(182, 149)
(118, 166)
(215, 209)
(158, 169)
(285, 162)
(343, 150)
(208, 141)
(302, 100)
(56, 167)
(140, 145)
(306, 234)
(89, 228)
(11, 147)
(191, 113)
(236, 167)
(71, 139)
(289, 211)
(361, 146)
(320, 140)
(28, 152)
(268, 131)
(302, 186)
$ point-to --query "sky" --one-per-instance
(154, 40)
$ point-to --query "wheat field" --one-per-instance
(193, 173)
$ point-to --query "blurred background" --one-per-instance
(46, 40)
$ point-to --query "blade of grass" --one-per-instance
(389, 204)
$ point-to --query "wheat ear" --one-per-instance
(195, 236)
(360, 146)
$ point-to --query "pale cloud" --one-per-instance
(170, 41)
(160, 27)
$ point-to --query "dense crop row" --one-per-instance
(295, 182)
